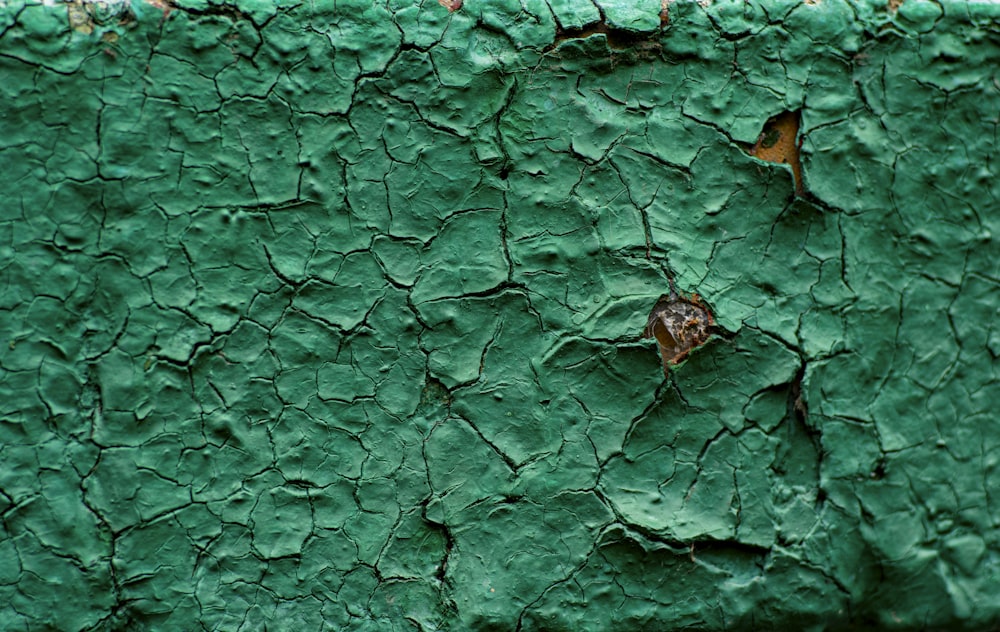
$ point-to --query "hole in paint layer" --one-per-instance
(678, 324)
(778, 143)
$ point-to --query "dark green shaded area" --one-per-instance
(324, 317)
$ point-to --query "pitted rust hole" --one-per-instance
(679, 324)
(778, 143)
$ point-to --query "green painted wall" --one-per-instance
(329, 317)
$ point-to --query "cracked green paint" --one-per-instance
(329, 317)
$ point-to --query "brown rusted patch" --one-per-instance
(664, 13)
(451, 5)
(778, 142)
(678, 324)
(893, 5)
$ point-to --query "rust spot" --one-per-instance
(678, 324)
(451, 5)
(893, 5)
(778, 142)
(664, 13)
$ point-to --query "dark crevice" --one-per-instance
(618, 39)
(226, 11)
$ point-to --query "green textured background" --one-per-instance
(327, 317)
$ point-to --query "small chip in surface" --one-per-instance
(679, 325)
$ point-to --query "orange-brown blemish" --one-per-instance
(778, 142)
(451, 5)
(664, 13)
(678, 324)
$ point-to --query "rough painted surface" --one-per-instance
(324, 317)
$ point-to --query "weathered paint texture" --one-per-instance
(329, 316)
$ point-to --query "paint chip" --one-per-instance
(778, 143)
(679, 325)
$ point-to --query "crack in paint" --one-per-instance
(333, 315)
